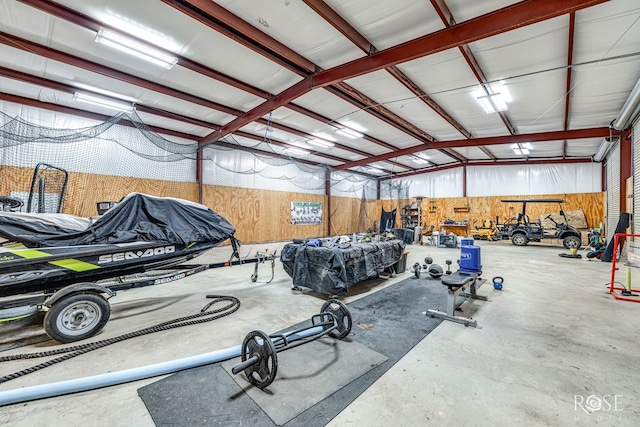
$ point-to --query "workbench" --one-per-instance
(457, 229)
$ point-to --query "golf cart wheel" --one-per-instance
(76, 317)
(572, 242)
(519, 239)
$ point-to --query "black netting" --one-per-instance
(123, 151)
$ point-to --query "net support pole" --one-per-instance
(199, 174)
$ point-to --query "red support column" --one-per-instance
(464, 180)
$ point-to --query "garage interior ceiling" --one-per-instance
(382, 87)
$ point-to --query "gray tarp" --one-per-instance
(332, 270)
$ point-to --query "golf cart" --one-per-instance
(521, 231)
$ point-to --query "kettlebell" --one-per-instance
(497, 283)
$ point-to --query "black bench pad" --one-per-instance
(459, 279)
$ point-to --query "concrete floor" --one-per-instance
(551, 342)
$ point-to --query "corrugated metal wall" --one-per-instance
(636, 178)
(613, 189)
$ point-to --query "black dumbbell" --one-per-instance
(416, 270)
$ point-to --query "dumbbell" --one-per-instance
(449, 262)
(416, 270)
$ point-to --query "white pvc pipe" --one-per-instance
(26, 394)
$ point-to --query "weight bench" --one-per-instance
(457, 283)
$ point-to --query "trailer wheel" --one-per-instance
(76, 317)
(572, 242)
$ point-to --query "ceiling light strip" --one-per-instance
(100, 101)
(135, 48)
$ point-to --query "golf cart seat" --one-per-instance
(524, 219)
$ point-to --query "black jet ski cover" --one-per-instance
(137, 218)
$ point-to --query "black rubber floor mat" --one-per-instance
(308, 375)
(390, 322)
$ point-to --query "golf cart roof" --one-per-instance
(534, 201)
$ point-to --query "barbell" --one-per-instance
(259, 350)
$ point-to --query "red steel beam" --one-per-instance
(61, 87)
(56, 55)
(88, 22)
(51, 84)
(449, 21)
(360, 100)
(486, 163)
(102, 117)
(75, 17)
(600, 132)
(519, 15)
(15, 99)
(288, 129)
(245, 33)
(422, 95)
(211, 14)
(338, 22)
(509, 18)
(482, 79)
(333, 18)
(567, 93)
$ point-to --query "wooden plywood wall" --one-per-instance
(353, 215)
(85, 190)
(264, 215)
(434, 211)
(14, 179)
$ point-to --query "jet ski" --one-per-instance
(65, 257)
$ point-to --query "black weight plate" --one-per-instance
(342, 315)
(262, 373)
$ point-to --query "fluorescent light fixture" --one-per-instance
(298, 144)
(135, 48)
(325, 136)
(521, 148)
(419, 160)
(492, 103)
(104, 102)
(353, 134)
(497, 98)
(297, 151)
(321, 143)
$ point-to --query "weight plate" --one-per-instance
(342, 315)
(263, 372)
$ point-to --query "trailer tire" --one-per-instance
(76, 317)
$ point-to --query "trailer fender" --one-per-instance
(77, 288)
